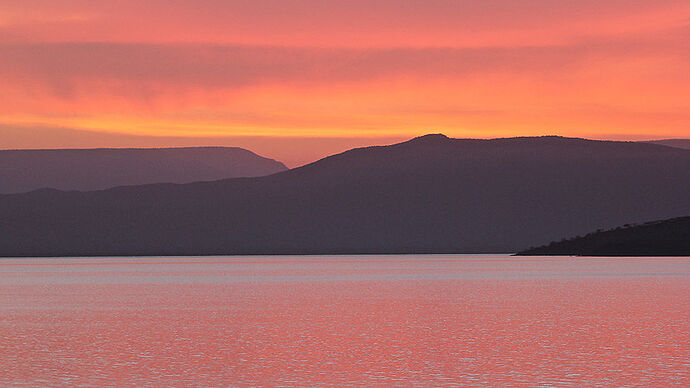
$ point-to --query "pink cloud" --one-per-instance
(335, 23)
(64, 67)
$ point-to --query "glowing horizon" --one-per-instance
(83, 73)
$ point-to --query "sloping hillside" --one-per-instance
(659, 238)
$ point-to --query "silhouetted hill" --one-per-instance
(94, 169)
(659, 238)
(429, 195)
(678, 143)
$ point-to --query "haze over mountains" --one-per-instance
(678, 143)
(429, 195)
(95, 169)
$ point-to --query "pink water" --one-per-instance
(407, 321)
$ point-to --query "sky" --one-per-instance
(298, 80)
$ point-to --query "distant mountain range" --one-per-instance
(95, 169)
(678, 143)
(431, 194)
(660, 238)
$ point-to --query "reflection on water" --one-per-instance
(363, 320)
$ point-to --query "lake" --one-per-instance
(427, 320)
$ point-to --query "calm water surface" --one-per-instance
(345, 320)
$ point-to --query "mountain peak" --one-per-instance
(431, 138)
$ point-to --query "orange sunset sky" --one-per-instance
(297, 80)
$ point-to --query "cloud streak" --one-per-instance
(221, 67)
